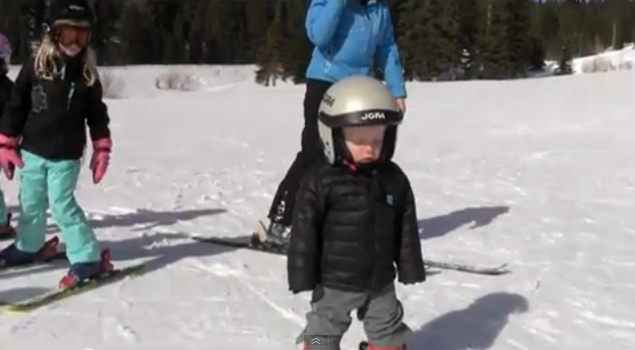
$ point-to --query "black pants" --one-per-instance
(281, 210)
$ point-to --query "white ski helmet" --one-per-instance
(5, 51)
(356, 101)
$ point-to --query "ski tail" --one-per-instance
(480, 270)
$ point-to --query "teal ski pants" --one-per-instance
(3, 210)
(56, 180)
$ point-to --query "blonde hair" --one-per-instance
(46, 62)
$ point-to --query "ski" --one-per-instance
(240, 243)
(256, 245)
(479, 270)
(58, 294)
(255, 242)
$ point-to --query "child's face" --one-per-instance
(72, 40)
(364, 142)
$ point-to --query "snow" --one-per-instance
(604, 61)
(622, 59)
(538, 173)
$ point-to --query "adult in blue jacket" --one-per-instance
(350, 38)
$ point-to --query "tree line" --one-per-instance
(439, 39)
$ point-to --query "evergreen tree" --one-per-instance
(412, 28)
(174, 48)
(258, 16)
(269, 56)
(137, 42)
(536, 55)
(468, 32)
(445, 49)
(567, 34)
(519, 40)
(537, 48)
(493, 43)
(564, 63)
(297, 49)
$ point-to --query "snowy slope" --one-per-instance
(610, 60)
(538, 173)
(607, 61)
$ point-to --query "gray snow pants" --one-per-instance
(330, 317)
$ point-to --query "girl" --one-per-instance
(43, 133)
(5, 90)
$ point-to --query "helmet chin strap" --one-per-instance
(342, 154)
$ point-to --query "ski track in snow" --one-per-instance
(537, 173)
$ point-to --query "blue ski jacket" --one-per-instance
(349, 38)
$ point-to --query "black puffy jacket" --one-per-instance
(353, 229)
(5, 91)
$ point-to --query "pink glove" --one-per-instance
(9, 156)
(101, 158)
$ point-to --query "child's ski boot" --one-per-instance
(12, 256)
(365, 346)
(84, 272)
(7, 231)
(275, 235)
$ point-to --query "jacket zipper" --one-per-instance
(71, 91)
(69, 98)
(372, 224)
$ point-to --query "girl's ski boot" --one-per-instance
(84, 272)
(12, 256)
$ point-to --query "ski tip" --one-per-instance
(13, 310)
(499, 272)
(261, 231)
(9, 308)
(504, 268)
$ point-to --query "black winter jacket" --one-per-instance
(51, 115)
(5, 91)
(353, 228)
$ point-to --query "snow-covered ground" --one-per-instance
(610, 60)
(538, 173)
(607, 61)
